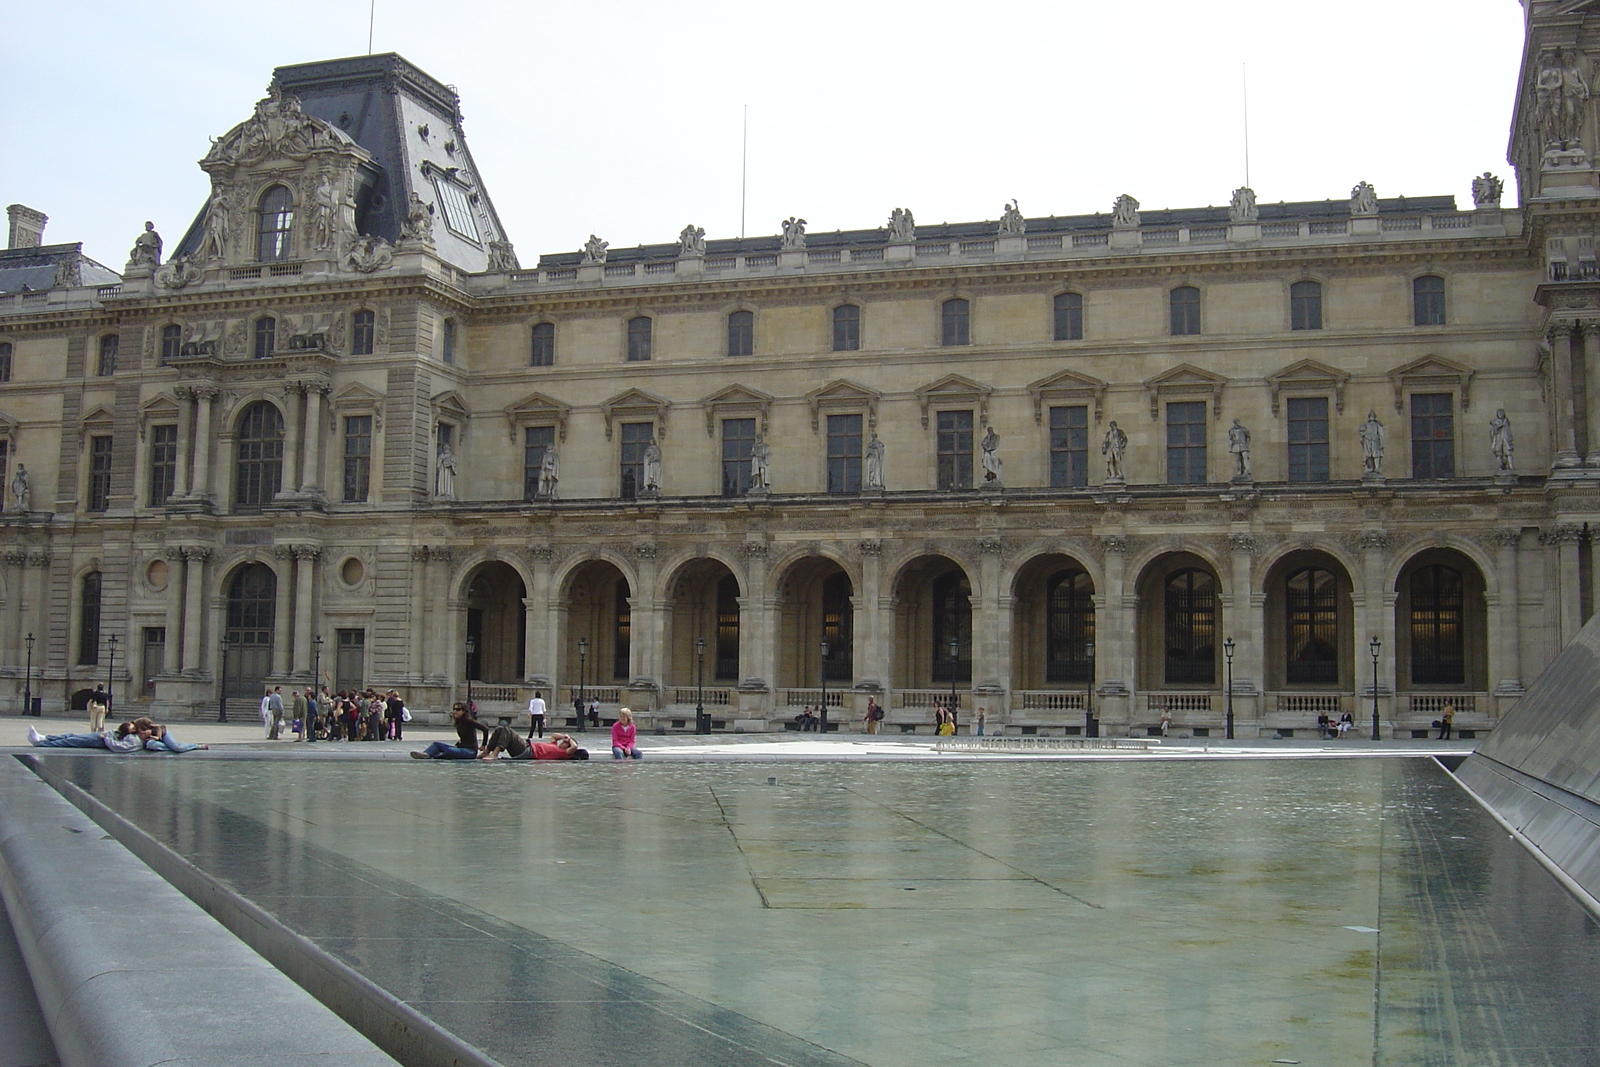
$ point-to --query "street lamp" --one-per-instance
(1091, 726)
(111, 674)
(955, 650)
(27, 679)
(222, 681)
(1227, 656)
(308, 729)
(583, 655)
(472, 648)
(702, 721)
(1376, 646)
(823, 726)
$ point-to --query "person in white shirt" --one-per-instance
(536, 712)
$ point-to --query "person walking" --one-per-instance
(874, 713)
(99, 705)
(623, 736)
(274, 705)
(298, 713)
(536, 713)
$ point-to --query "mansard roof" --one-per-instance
(39, 267)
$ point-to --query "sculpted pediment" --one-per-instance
(536, 409)
(1185, 381)
(163, 407)
(1067, 385)
(97, 416)
(279, 129)
(636, 404)
(955, 388)
(736, 401)
(1432, 372)
(842, 394)
(1306, 375)
(355, 395)
(451, 406)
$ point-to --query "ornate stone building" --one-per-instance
(1334, 452)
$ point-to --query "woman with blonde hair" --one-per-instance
(623, 733)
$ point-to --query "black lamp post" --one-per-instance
(955, 650)
(823, 726)
(472, 647)
(1091, 725)
(583, 656)
(111, 675)
(222, 681)
(308, 729)
(1227, 657)
(702, 721)
(27, 679)
(1376, 646)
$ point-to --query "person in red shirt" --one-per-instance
(505, 740)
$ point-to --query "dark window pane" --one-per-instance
(544, 345)
(266, 337)
(639, 339)
(1433, 436)
(357, 458)
(89, 619)
(275, 221)
(844, 453)
(1427, 294)
(1185, 305)
(163, 463)
(363, 332)
(1069, 317)
(1069, 446)
(1069, 626)
(838, 628)
(171, 343)
(741, 333)
(5, 361)
(738, 441)
(1191, 624)
(108, 355)
(259, 472)
(447, 341)
(535, 441)
(636, 438)
(1305, 306)
(1311, 610)
(1438, 641)
(955, 450)
(252, 609)
(846, 328)
(99, 473)
(622, 639)
(1186, 442)
(953, 320)
(952, 618)
(1308, 439)
(727, 666)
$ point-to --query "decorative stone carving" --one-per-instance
(1239, 449)
(760, 465)
(1373, 539)
(278, 128)
(1242, 542)
(870, 548)
(902, 226)
(753, 549)
(417, 226)
(646, 549)
(990, 459)
(1486, 190)
(1012, 224)
(1242, 208)
(444, 479)
(502, 257)
(549, 473)
(1501, 444)
(69, 273)
(692, 241)
(594, 250)
(1560, 94)
(1112, 447)
(1363, 201)
(219, 223)
(145, 255)
(179, 272)
(1373, 437)
(794, 234)
(1505, 538)
(1114, 544)
(1561, 534)
(1125, 213)
(991, 546)
(541, 553)
(324, 221)
(872, 464)
(652, 466)
(369, 253)
(21, 490)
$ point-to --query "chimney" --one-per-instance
(27, 227)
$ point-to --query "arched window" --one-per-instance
(1069, 626)
(274, 221)
(259, 473)
(544, 345)
(846, 328)
(741, 333)
(1438, 639)
(266, 336)
(639, 339)
(1427, 298)
(1184, 302)
(89, 619)
(955, 322)
(363, 333)
(952, 618)
(1190, 628)
(1311, 611)
(727, 629)
(171, 343)
(1069, 316)
(1305, 306)
(252, 604)
(838, 627)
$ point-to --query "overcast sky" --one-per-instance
(623, 118)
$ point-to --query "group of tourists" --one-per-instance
(137, 735)
(1328, 729)
(348, 715)
(476, 741)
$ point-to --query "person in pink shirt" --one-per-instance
(623, 733)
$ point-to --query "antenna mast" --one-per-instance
(372, 16)
(1244, 80)
(744, 170)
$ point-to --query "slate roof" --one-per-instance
(24, 270)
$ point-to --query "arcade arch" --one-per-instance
(933, 604)
(497, 624)
(1053, 624)
(816, 605)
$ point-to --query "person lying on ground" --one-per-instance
(467, 731)
(127, 737)
(504, 739)
(158, 738)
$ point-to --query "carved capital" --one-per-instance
(419, 553)
(870, 548)
(1563, 534)
(542, 553)
(1560, 330)
(1503, 538)
(646, 549)
(1115, 544)
(442, 553)
(1374, 539)
(196, 553)
(16, 558)
(753, 549)
(1242, 542)
(991, 546)
(307, 552)
(39, 559)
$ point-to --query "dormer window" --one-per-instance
(457, 208)
(272, 228)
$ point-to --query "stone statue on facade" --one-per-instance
(990, 459)
(444, 480)
(1486, 190)
(180, 271)
(760, 465)
(1363, 201)
(652, 466)
(219, 225)
(369, 253)
(692, 241)
(1012, 224)
(595, 250)
(146, 253)
(1125, 213)
(1373, 438)
(21, 493)
(417, 226)
(872, 472)
(1114, 446)
(1501, 443)
(278, 127)
(902, 226)
(1242, 208)
(502, 257)
(1560, 94)
(794, 234)
(324, 213)
(69, 272)
(1239, 448)
(549, 473)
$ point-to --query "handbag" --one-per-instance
(405, 713)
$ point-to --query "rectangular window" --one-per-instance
(844, 453)
(350, 659)
(1433, 436)
(1069, 317)
(1186, 442)
(738, 441)
(5, 481)
(636, 437)
(447, 341)
(266, 337)
(544, 345)
(357, 458)
(108, 355)
(955, 450)
(99, 473)
(955, 322)
(363, 333)
(1069, 446)
(1185, 307)
(1305, 306)
(89, 620)
(457, 209)
(163, 463)
(171, 343)
(155, 657)
(1427, 295)
(741, 333)
(639, 339)
(535, 440)
(1308, 439)
(846, 328)
(5, 361)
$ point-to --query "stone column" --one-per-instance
(16, 562)
(1561, 334)
(757, 642)
(204, 395)
(871, 662)
(991, 633)
(647, 607)
(1505, 640)
(292, 453)
(311, 470)
(1244, 626)
(186, 427)
(305, 565)
(416, 618)
(1563, 540)
(544, 643)
(283, 617)
(1378, 622)
(194, 562)
(440, 618)
(1115, 641)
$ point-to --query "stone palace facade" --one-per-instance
(1076, 470)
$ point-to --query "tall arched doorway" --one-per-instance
(1310, 626)
(1441, 624)
(252, 613)
(933, 607)
(1054, 625)
(1180, 623)
(497, 625)
(598, 614)
(816, 607)
(704, 607)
